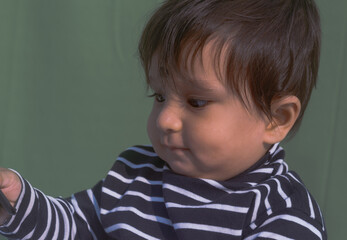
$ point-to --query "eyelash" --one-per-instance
(195, 103)
(158, 97)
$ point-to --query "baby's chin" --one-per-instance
(190, 171)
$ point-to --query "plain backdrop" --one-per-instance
(73, 95)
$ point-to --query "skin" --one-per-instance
(200, 129)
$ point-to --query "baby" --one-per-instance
(230, 80)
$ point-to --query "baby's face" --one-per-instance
(200, 129)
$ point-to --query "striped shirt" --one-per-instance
(141, 198)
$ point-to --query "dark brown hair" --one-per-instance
(272, 46)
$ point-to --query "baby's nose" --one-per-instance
(169, 119)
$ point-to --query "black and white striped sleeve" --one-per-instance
(42, 217)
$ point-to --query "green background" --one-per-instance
(73, 95)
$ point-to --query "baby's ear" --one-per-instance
(284, 111)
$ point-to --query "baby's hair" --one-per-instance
(263, 49)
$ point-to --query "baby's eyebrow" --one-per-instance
(199, 85)
(191, 82)
(205, 88)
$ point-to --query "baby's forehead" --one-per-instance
(197, 81)
(191, 64)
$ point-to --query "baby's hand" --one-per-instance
(11, 187)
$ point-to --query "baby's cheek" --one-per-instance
(202, 139)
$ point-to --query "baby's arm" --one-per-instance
(42, 217)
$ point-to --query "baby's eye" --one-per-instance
(158, 97)
(197, 103)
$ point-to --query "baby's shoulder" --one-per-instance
(287, 191)
(286, 194)
(283, 199)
